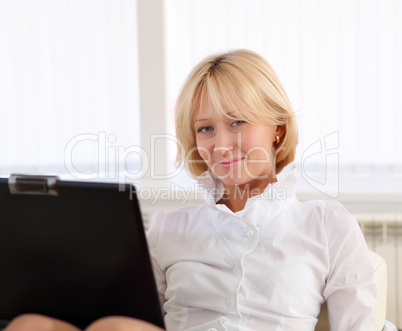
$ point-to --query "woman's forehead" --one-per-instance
(209, 112)
(215, 106)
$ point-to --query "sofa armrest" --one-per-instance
(380, 269)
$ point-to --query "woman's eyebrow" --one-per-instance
(200, 119)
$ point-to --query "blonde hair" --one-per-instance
(244, 83)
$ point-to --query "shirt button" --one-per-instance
(236, 271)
(230, 303)
(250, 234)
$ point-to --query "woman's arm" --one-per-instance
(351, 285)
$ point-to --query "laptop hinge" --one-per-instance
(33, 184)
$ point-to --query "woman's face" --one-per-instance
(237, 152)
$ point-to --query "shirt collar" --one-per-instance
(282, 190)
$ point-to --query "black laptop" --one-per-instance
(74, 251)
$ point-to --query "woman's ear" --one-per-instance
(280, 130)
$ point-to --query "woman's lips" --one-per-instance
(228, 163)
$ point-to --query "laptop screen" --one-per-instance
(74, 251)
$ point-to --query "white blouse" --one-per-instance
(269, 266)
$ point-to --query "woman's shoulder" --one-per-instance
(331, 214)
(338, 223)
(335, 212)
(329, 208)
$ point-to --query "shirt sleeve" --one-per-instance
(152, 237)
(351, 285)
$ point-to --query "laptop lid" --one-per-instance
(74, 251)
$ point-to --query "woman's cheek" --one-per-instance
(205, 154)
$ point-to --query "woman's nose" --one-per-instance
(224, 142)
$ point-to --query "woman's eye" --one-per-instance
(204, 129)
(237, 123)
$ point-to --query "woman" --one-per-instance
(252, 257)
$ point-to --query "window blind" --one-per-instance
(340, 62)
(68, 85)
